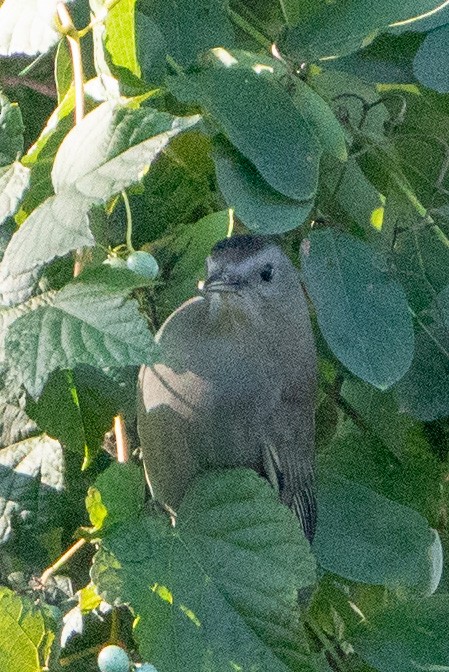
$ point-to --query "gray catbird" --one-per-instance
(237, 386)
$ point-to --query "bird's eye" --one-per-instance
(267, 273)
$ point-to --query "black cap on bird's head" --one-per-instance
(241, 246)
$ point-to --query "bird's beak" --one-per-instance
(216, 284)
(219, 286)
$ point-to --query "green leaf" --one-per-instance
(357, 199)
(430, 65)
(31, 480)
(261, 208)
(260, 119)
(53, 229)
(11, 129)
(334, 86)
(189, 28)
(382, 166)
(14, 181)
(292, 11)
(430, 22)
(16, 425)
(151, 49)
(90, 321)
(26, 634)
(177, 189)
(366, 537)
(193, 245)
(442, 301)
(117, 496)
(219, 589)
(112, 147)
(424, 390)
(53, 128)
(421, 255)
(405, 637)
(120, 39)
(361, 311)
(63, 71)
(58, 412)
(27, 27)
(334, 30)
(401, 467)
(321, 120)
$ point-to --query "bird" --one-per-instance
(236, 383)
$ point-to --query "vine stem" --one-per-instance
(79, 655)
(69, 30)
(70, 552)
(231, 223)
(121, 439)
(77, 63)
(129, 222)
(326, 643)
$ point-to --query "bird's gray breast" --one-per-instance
(219, 383)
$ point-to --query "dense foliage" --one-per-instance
(133, 135)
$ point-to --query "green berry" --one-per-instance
(143, 263)
(113, 659)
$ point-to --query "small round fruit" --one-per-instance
(113, 659)
(115, 262)
(145, 667)
(143, 263)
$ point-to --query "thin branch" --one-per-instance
(121, 439)
(41, 87)
(77, 63)
(129, 222)
(62, 560)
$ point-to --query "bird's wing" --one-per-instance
(288, 460)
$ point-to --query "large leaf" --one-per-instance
(432, 59)
(218, 591)
(109, 150)
(13, 182)
(261, 208)
(188, 28)
(58, 412)
(112, 147)
(339, 28)
(260, 119)
(118, 495)
(11, 130)
(366, 537)
(412, 479)
(52, 230)
(27, 27)
(424, 390)
(31, 478)
(120, 38)
(347, 188)
(26, 635)
(362, 312)
(392, 456)
(15, 424)
(406, 637)
(321, 120)
(90, 321)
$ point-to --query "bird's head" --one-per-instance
(249, 267)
